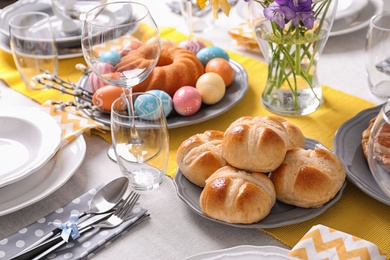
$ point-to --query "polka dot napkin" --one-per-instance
(83, 247)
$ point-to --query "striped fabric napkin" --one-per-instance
(322, 242)
(72, 122)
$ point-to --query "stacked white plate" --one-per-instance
(353, 15)
(31, 164)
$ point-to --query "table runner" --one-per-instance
(355, 213)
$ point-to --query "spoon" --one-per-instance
(104, 200)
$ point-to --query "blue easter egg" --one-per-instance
(146, 106)
(165, 99)
(209, 53)
(111, 57)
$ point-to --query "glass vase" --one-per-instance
(292, 54)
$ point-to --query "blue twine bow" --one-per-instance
(69, 228)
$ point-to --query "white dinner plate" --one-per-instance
(362, 20)
(28, 139)
(347, 146)
(245, 252)
(46, 180)
(234, 93)
(281, 214)
(349, 8)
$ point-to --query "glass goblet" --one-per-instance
(140, 139)
(378, 149)
(122, 38)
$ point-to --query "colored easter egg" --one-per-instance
(192, 45)
(111, 57)
(211, 88)
(129, 45)
(209, 53)
(187, 101)
(101, 68)
(105, 96)
(223, 68)
(165, 99)
(146, 106)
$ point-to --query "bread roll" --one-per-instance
(256, 144)
(235, 196)
(308, 178)
(295, 135)
(200, 155)
(381, 146)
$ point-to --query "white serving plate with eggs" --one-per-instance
(234, 93)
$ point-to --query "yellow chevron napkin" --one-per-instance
(322, 242)
(244, 36)
(72, 122)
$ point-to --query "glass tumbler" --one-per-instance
(33, 46)
(378, 149)
(140, 139)
(378, 55)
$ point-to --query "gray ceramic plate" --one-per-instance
(234, 93)
(281, 214)
(347, 146)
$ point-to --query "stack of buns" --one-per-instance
(256, 161)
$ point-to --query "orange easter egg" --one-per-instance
(105, 96)
(223, 68)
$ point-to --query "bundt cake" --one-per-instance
(176, 67)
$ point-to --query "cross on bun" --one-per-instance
(295, 135)
(235, 196)
(308, 178)
(200, 156)
(256, 144)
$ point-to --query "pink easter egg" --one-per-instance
(102, 68)
(187, 101)
(192, 45)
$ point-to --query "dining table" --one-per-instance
(174, 230)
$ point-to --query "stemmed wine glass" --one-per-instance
(121, 45)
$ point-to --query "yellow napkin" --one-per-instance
(322, 242)
(244, 36)
(72, 122)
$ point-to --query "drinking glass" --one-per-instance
(378, 55)
(33, 46)
(120, 31)
(197, 20)
(140, 139)
(378, 149)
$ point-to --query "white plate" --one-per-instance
(281, 214)
(344, 26)
(46, 180)
(245, 253)
(28, 139)
(347, 146)
(234, 93)
(348, 8)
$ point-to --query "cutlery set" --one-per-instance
(107, 209)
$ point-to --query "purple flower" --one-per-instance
(283, 11)
(279, 14)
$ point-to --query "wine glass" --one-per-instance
(378, 149)
(140, 139)
(123, 38)
(121, 44)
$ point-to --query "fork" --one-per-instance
(117, 218)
